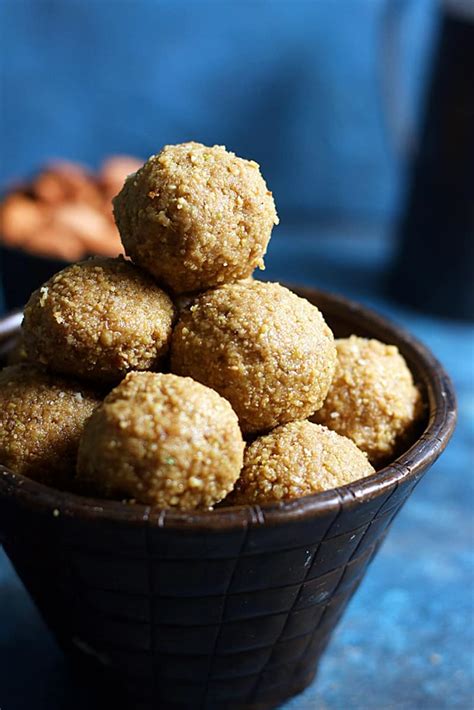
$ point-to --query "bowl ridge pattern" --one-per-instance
(230, 609)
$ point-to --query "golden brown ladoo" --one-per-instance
(196, 217)
(99, 319)
(18, 353)
(198, 220)
(295, 460)
(41, 419)
(373, 399)
(262, 347)
(162, 440)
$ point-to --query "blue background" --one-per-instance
(326, 95)
(322, 93)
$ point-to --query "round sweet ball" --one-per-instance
(262, 347)
(196, 217)
(295, 460)
(99, 319)
(162, 440)
(41, 420)
(373, 399)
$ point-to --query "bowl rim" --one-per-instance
(410, 465)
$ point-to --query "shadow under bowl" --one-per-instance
(227, 609)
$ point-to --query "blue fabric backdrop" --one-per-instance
(324, 93)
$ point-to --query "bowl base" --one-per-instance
(103, 688)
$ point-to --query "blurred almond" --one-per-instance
(52, 242)
(66, 211)
(19, 217)
(82, 219)
(107, 243)
(49, 188)
(114, 171)
(66, 182)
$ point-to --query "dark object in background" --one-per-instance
(434, 269)
(228, 609)
(22, 273)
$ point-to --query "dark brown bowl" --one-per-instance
(230, 609)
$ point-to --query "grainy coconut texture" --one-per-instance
(295, 460)
(99, 319)
(373, 399)
(162, 440)
(262, 347)
(41, 419)
(196, 216)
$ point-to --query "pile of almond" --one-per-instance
(65, 211)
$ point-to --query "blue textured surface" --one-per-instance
(317, 92)
(406, 640)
